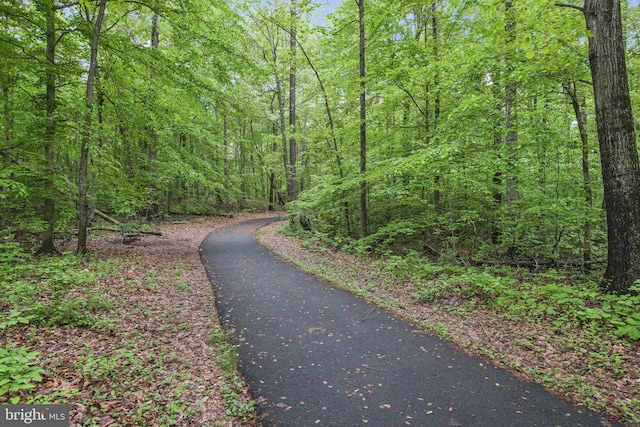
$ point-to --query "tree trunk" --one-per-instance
(8, 136)
(333, 144)
(154, 205)
(282, 126)
(47, 246)
(436, 110)
(293, 149)
(618, 149)
(581, 118)
(364, 214)
(511, 89)
(83, 164)
(8, 125)
(281, 107)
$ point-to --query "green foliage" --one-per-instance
(16, 363)
(16, 369)
(235, 396)
(13, 318)
(547, 297)
(42, 290)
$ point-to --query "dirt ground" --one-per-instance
(155, 362)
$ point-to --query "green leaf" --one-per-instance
(631, 331)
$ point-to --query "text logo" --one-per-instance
(34, 415)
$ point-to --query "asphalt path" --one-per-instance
(315, 355)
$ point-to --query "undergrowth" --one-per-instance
(39, 295)
(38, 291)
(552, 295)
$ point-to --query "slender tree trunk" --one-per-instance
(272, 192)
(225, 145)
(293, 149)
(333, 143)
(154, 205)
(8, 125)
(578, 103)
(282, 126)
(364, 213)
(436, 82)
(8, 136)
(618, 149)
(511, 89)
(83, 164)
(47, 246)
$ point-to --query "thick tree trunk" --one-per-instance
(49, 212)
(83, 164)
(364, 213)
(618, 149)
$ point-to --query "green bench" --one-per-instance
(128, 233)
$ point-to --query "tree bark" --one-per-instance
(293, 149)
(8, 124)
(8, 136)
(364, 213)
(154, 205)
(511, 89)
(581, 118)
(618, 149)
(281, 120)
(436, 110)
(83, 164)
(47, 245)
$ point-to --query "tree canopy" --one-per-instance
(467, 128)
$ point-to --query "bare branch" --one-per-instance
(570, 6)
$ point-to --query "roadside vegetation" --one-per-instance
(551, 326)
(127, 335)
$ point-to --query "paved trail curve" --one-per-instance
(315, 355)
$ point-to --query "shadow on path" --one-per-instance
(314, 354)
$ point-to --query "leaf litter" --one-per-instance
(154, 361)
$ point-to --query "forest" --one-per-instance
(459, 127)
(488, 133)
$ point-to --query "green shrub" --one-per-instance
(17, 371)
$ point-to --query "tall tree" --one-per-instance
(83, 164)
(47, 246)
(364, 212)
(293, 149)
(578, 102)
(153, 137)
(438, 102)
(511, 97)
(617, 139)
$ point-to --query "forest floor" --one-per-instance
(156, 359)
(156, 362)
